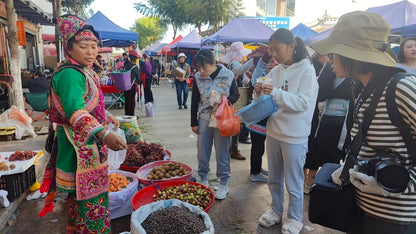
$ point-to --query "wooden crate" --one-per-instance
(7, 133)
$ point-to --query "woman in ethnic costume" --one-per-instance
(78, 158)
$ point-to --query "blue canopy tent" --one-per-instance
(406, 31)
(398, 15)
(190, 41)
(151, 47)
(242, 29)
(302, 31)
(111, 35)
(319, 36)
(154, 51)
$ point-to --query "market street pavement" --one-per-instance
(238, 213)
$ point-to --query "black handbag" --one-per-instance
(331, 205)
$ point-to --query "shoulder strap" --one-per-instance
(368, 116)
(396, 118)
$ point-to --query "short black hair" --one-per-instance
(204, 57)
(38, 73)
(124, 54)
(98, 56)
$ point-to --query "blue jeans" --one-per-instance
(181, 87)
(206, 137)
(286, 165)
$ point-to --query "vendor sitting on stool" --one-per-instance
(37, 84)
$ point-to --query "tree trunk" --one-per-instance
(57, 6)
(175, 29)
(15, 93)
(199, 28)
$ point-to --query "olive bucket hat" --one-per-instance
(360, 36)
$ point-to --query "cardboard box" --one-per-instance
(179, 72)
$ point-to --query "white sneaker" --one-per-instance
(3, 198)
(292, 226)
(205, 183)
(264, 172)
(258, 178)
(222, 192)
(269, 218)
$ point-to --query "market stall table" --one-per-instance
(115, 95)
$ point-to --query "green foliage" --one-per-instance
(149, 29)
(170, 12)
(77, 7)
(196, 12)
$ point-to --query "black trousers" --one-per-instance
(148, 95)
(257, 151)
(130, 101)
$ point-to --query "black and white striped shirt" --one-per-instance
(382, 134)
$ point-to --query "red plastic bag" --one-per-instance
(228, 124)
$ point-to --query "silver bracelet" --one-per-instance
(105, 134)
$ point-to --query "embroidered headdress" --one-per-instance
(71, 26)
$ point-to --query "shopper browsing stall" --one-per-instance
(294, 89)
(359, 47)
(211, 79)
(129, 95)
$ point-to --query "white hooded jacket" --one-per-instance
(291, 123)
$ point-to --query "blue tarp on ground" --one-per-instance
(244, 30)
(302, 31)
(110, 33)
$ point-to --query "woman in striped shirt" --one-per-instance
(358, 45)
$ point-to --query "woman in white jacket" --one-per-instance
(294, 90)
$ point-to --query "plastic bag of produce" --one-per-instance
(115, 158)
(140, 215)
(131, 128)
(18, 118)
(117, 199)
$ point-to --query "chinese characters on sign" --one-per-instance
(275, 22)
(21, 35)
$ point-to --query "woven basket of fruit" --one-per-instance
(194, 193)
(142, 153)
(163, 171)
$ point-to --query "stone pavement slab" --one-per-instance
(238, 213)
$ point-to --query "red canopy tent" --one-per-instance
(166, 50)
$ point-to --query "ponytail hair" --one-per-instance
(285, 36)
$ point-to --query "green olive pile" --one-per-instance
(193, 194)
(166, 171)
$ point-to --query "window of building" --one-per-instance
(285, 7)
(271, 7)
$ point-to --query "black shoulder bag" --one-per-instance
(331, 205)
